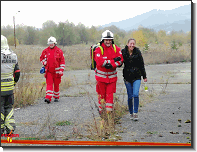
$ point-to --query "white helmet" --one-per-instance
(51, 40)
(107, 35)
(4, 43)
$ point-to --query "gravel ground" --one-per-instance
(158, 120)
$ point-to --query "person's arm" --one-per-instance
(16, 73)
(62, 63)
(119, 59)
(43, 58)
(125, 56)
(142, 68)
(99, 58)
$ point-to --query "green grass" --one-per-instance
(63, 123)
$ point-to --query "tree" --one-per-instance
(49, 24)
(141, 40)
(66, 34)
(20, 33)
(161, 36)
(150, 34)
(30, 37)
(48, 30)
(161, 33)
(11, 42)
(83, 33)
(93, 34)
(117, 40)
(7, 30)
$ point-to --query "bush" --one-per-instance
(11, 40)
(174, 45)
(146, 47)
(180, 43)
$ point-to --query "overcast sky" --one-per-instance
(35, 13)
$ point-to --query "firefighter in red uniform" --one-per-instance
(53, 59)
(105, 72)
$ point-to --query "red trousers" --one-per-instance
(52, 79)
(105, 94)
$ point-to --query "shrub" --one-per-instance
(174, 45)
(11, 41)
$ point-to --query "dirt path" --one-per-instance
(158, 120)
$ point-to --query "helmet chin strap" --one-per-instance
(5, 51)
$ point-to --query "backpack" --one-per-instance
(92, 49)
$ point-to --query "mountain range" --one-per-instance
(168, 20)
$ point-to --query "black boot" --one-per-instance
(47, 100)
(56, 100)
(2, 131)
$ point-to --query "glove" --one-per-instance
(117, 59)
(60, 73)
(108, 66)
(45, 63)
(42, 70)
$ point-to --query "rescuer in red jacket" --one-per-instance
(53, 59)
(105, 72)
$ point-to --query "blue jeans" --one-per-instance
(133, 92)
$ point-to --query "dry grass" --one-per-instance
(77, 57)
(65, 83)
(158, 54)
(27, 91)
(31, 85)
(104, 126)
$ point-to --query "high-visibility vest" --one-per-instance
(8, 63)
(93, 65)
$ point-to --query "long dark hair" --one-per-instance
(131, 39)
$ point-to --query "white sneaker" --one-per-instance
(135, 116)
(131, 116)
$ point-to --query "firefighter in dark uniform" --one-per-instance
(10, 74)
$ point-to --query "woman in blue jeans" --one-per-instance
(133, 71)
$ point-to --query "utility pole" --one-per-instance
(63, 36)
(14, 31)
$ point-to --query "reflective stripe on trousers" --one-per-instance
(52, 79)
(7, 113)
(2, 120)
(106, 101)
(8, 120)
(56, 94)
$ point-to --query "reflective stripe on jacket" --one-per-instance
(101, 73)
(9, 67)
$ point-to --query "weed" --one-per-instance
(29, 123)
(163, 91)
(174, 45)
(63, 123)
(146, 47)
(27, 93)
